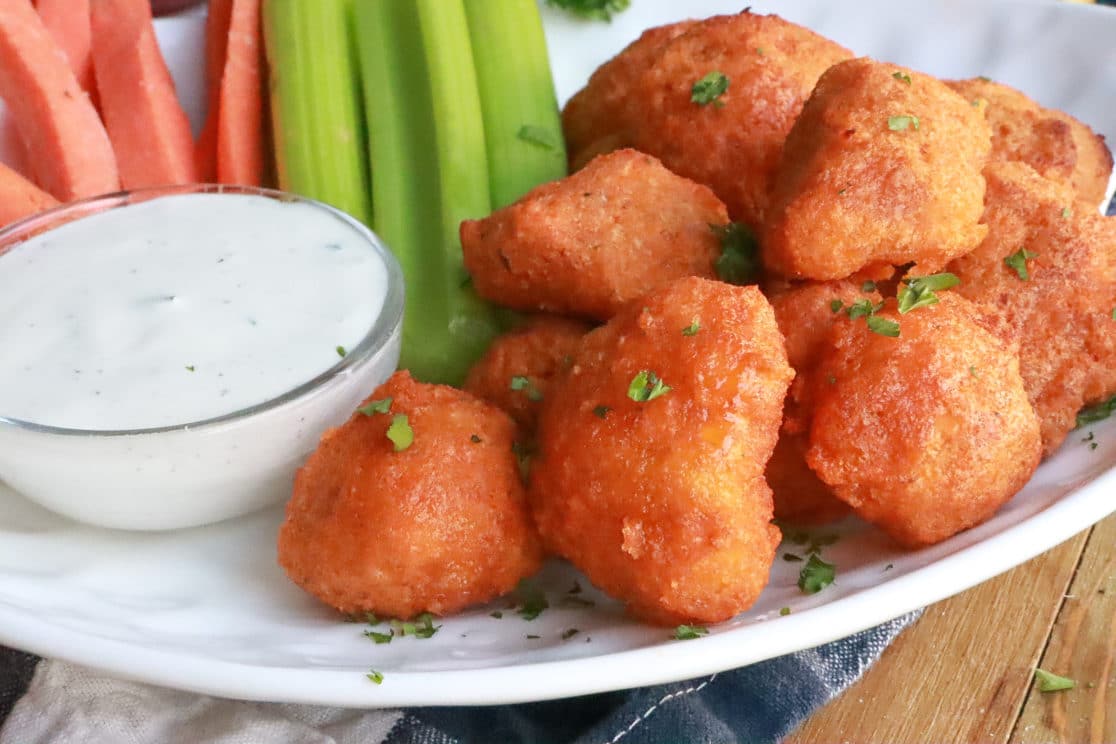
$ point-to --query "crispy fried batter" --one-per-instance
(1062, 314)
(877, 169)
(662, 503)
(642, 98)
(590, 242)
(434, 528)
(926, 434)
(517, 371)
(1054, 143)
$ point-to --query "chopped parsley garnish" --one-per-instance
(710, 89)
(836, 305)
(689, 632)
(424, 626)
(792, 558)
(380, 637)
(816, 575)
(375, 676)
(1052, 682)
(496, 614)
(601, 411)
(862, 309)
(889, 566)
(984, 78)
(692, 329)
(475, 439)
(190, 367)
(341, 352)
(647, 386)
(539, 137)
(533, 637)
(594, 10)
(1066, 212)
(739, 259)
(1114, 313)
(919, 291)
(902, 76)
(400, 432)
(868, 286)
(568, 634)
(883, 326)
(377, 406)
(532, 601)
(784, 611)
(519, 383)
(1096, 412)
(1018, 262)
(899, 123)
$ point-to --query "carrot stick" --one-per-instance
(216, 40)
(240, 146)
(148, 128)
(72, 156)
(19, 197)
(67, 21)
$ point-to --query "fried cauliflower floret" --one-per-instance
(597, 119)
(883, 165)
(517, 371)
(433, 527)
(1054, 143)
(805, 313)
(649, 473)
(927, 434)
(731, 144)
(1056, 297)
(589, 243)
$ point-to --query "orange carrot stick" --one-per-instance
(19, 197)
(240, 146)
(68, 23)
(60, 129)
(148, 128)
(216, 40)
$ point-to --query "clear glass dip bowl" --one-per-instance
(195, 472)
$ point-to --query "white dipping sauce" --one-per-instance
(180, 309)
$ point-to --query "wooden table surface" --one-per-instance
(964, 671)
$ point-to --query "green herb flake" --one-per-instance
(341, 352)
(380, 637)
(533, 637)
(593, 10)
(1052, 682)
(375, 676)
(883, 326)
(860, 309)
(1096, 412)
(902, 77)
(601, 411)
(475, 439)
(984, 78)
(739, 260)
(920, 291)
(190, 367)
(900, 123)
(709, 89)
(1113, 313)
(1066, 212)
(689, 632)
(692, 329)
(646, 386)
(568, 634)
(816, 575)
(539, 137)
(532, 601)
(1018, 263)
(792, 558)
(519, 383)
(496, 614)
(889, 566)
(425, 627)
(377, 406)
(784, 611)
(836, 305)
(868, 286)
(400, 432)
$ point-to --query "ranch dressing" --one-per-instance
(180, 309)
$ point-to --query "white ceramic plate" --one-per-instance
(208, 609)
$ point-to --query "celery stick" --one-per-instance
(426, 143)
(316, 102)
(522, 126)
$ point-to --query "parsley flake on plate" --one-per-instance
(539, 137)
(709, 89)
(646, 386)
(919, 291)
(1097, 412)
(1018, 263)
(568, 634)
(784, 611)
(400, 432)
(532, 601)
(900, 123)
(341, 352)
(375, 676)
(593, 10)
(380, 637)
(1052, 682)
(816, 575)
(689, 632)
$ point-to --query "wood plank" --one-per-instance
(1082, 646)
(962, 672)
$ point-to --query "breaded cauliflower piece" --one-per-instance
(651, 451)
(590, 242)
(926, 434)
(882, 166)
(433, 526)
